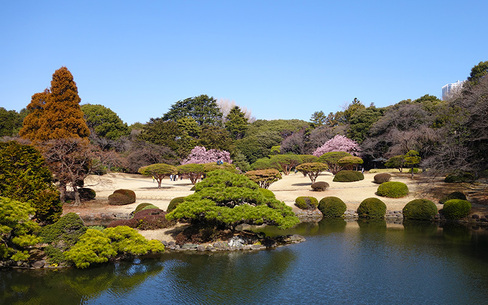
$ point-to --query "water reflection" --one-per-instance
(73, 286)
(340, 263)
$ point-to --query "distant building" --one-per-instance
(449, 89)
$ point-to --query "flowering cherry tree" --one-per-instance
(201, 155)
(338, 143)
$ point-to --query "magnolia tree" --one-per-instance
(338, 143)
(200, 155)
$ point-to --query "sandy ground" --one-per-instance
(286, 189)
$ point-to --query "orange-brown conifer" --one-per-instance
(56, 113)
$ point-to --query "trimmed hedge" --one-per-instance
(456, 209)
(320, 186)
(392, 189)
(420, 209)
(306, 202)
(149, 219)
(141, 206)
(382, 178)
(174, 203)
(348, 176)
(332, 207)
(453, 195)
(371, 208)
(122, 197)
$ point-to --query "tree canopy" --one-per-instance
(158, 171)
(104, 122)
(225, 200)
(25, 176)
(203, 109)
(55, 113)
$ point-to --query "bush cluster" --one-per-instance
(320, 186)
(348, 176)
(459, 177)
(122, 197)
(453, 195)
(62, 235)
(371, 208)
(332, 207)
(174, 203)
(99, 246)
(420, 209)
(142, 206)
(392, 189)
(306, 202)
(456, 209)
(382, 178)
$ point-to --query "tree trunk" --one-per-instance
(77, 196)
(62, 192)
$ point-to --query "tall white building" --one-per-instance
(449, 89)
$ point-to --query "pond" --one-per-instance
(340, 263)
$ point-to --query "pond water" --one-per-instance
(340, 263)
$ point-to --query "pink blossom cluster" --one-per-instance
(338, 143)
(200, 155)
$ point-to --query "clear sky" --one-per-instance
(279, 59)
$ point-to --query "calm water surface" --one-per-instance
(340, 263)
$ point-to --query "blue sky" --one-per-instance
(279, 59)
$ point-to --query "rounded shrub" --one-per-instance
(320, 186)
(174, 203)
(456, 209)
(141, 206)
(306, 202)
(121, 197)
(332, 207)
(148, 219)
(348, 176)
(371, 208)
(420, 209)
(453, 195)
(382, 178)
(87, 193)
(267, 193)
(392, 189)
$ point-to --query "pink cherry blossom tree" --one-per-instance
(201, 155)
(338, 143)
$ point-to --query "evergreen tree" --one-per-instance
(202, 108)
(236, 123)
(56, 113)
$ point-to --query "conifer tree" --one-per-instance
(56, 113)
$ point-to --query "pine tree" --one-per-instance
(56, 113)
(236, 123)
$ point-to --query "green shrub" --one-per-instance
(87, 193)
(320, 186)
(348, 176)
(392, 189)
(174, 203)
(453, 195)
(306, 202)
(141, 206)
(382, 178)
(456, 209)
(332, 207)
(99, 246)
(146, 219)
(420, 209)
(372, 208)
(68, 228)
(459, 177)
(267, 193)
(122, 197)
